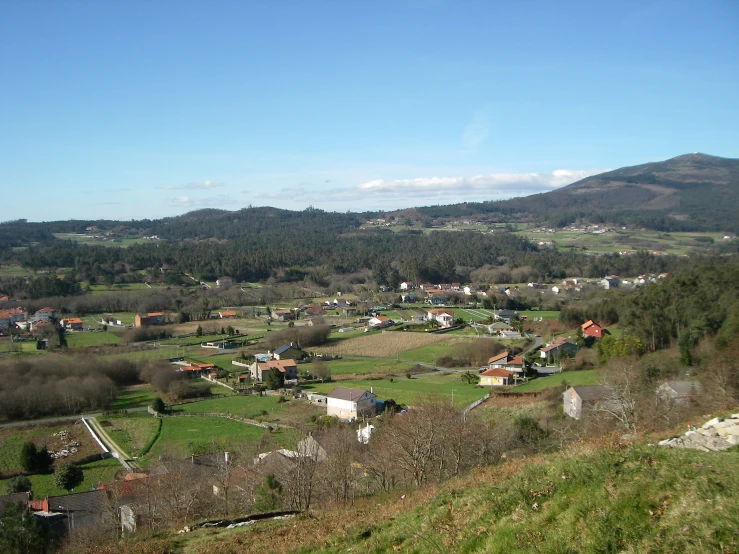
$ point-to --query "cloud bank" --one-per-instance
(423, 191)
(505, 185)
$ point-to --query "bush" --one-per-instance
(35, 459)
(18, 484)
(67, 476)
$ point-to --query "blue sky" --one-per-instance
(150, 109)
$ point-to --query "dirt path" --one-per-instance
(116, 450)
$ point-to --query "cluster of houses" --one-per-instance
(578, 401)
(43, 320)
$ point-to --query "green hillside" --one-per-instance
(601, 499)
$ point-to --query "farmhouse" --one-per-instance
(349, 404)
(283, 315)
(44, 314)
(558, 348)
(288, 352)
(12, 316)
(152, 318)
(578, 400)
(72, 323)
(444, 318)
(496, 378)
(196, 370)
(224, 282)
(506, 315)
(227, 314)
(678, 391)
(380, 322)
(289, 368)
(507, 361)
(591, 329)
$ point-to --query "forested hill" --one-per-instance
(693, 192)
(200, 224)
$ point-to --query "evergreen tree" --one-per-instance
(67, 476)
(274, 379)
(21, 532)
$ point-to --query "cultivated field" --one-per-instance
(380, 345)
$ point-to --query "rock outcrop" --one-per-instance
(715, 435)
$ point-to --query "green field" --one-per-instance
(130, 432)
(11, 444)
(572, 378)
(151, 354)
(544, 314)
(182, 436)
(93, 238)
(625, 240)
(414, 391)
(126, 318)
(101, 471)
(248, 406)
(84, 339)
(134, 397)
(361, 366)
(13, 271)
(429, 354)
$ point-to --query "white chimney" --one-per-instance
(226, 457)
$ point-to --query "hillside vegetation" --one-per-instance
(606, 498)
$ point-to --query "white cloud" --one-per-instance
(188, 202)
(200, 185)
(477, 130)
(505, 185)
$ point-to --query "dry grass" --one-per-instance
(382, 345)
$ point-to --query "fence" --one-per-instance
(475, 404)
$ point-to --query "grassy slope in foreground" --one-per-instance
(638, 499)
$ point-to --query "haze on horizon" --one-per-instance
(147, 110)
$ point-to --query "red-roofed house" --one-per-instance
(507, 361)
(496, 378)
(72, 323)
(225, 314)
(152, 318)
(288, 367)
(591, 329)
(445, 318)
(380, 321)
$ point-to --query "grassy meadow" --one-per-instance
(182, 436)
(414, 391)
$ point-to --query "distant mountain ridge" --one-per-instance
(689, 192)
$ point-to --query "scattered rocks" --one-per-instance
(715, 435)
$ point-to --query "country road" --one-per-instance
(116, 450)
(61, 419)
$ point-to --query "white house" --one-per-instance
(406, 286)
(380, 322)
(346, 403)
(445, 318)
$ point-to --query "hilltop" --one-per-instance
(690, 192)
